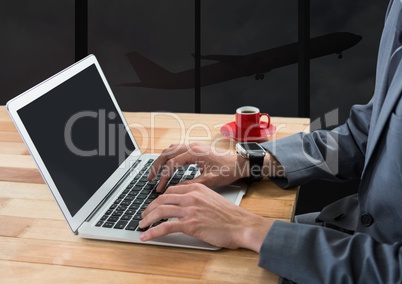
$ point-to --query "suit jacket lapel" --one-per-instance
(386, 94)
(393, 95)
(386, 49)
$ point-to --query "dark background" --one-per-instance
(38, 40)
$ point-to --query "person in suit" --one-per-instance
(355, 240)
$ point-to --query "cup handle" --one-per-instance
(269, 119)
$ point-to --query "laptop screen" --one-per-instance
(79, 134)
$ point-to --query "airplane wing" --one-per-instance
(222, 58)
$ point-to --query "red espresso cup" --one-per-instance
(248, 121)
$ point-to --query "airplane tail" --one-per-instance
(147, 70)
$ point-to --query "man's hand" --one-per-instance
(217, 167)
(206, 215)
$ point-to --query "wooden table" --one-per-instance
(36, 244)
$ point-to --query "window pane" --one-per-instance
(158, 31)
(241, 28)
(37, 42)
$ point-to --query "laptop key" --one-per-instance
(113, 219)
(141, 196)
(121, 208)
(153, 196)
(174, 182)
(137, 188)
(137, 217)
(159, 222)
(133, 193)
(134, 207)
(146, 191)
(126, 203)
(149, 186)
(132, 225)
(142, 229)
(108, 224)
(120, 225)
(126, 217)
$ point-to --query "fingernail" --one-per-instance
(143, 237)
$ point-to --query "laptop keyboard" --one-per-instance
(125, 212)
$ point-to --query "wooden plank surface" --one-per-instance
(37, 245)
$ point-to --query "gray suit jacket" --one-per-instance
(368, 145)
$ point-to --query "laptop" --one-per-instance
(75, 131)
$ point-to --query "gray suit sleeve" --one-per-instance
(335, 155)
(312, 254)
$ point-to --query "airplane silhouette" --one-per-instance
(231, 67)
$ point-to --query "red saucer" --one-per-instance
(230, 130)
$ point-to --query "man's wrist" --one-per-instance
(271, 167)
(243, 167)
(255, 232)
